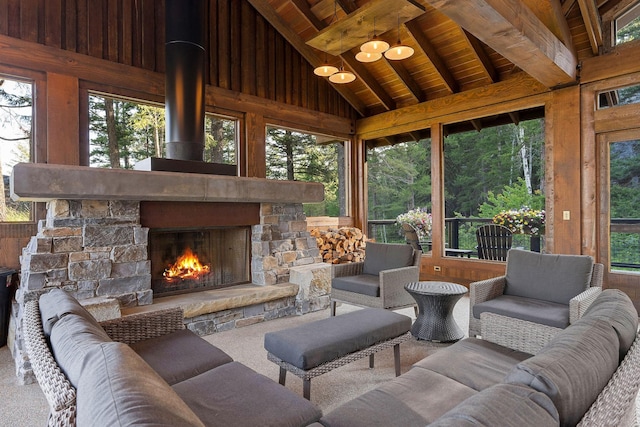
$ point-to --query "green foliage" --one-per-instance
(295, 155)
(512, 197)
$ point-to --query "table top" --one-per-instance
(435, 288)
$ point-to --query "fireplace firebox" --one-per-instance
(196, 259)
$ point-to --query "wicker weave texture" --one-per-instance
(515, 333)
(57, 389)
(616, 404)
(142, 326)
(482, 291)
(341, 361)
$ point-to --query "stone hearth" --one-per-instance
(97, 249)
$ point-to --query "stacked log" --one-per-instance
(340, 246)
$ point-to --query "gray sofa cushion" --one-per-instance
(504, 405)
(385, 256)
(180, 355)
(530, 309)
(72, 339)
(616, 307)
(234, 395)
(473, 362)
(119, 389)
(415, 398)
(555, 278)
(310, 345)
(573, 368)
(57, 303)
(365, 284)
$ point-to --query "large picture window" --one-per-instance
(295, 155)
(16, 132)
(123, 132)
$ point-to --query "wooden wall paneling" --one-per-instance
(149, 34)
(271, 65)
(279, 60)
(563, 171)
(136, 31)
(96, 28)
(125, 24)
(359, 204)
(29, 11)
(69, 38)
(112, 31)
(304, 83)
(13, 17)
(159, 38)
(82, 24)
(62, 119)
(288, 75)
(256, 136)
(211, 42)
(224, 46)
(235, 54)
(52, 18)
(14, 237)
(248, 49)
(262, 60)
(4, 16)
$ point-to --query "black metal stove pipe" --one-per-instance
(184, 78)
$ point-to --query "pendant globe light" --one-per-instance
(375, 45)
(399, 51)
(342, 76)
(368, 57)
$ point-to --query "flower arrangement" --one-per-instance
(418, 218)
(522, 221)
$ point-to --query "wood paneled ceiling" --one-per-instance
(459, 45)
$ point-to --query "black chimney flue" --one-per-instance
(184, 79)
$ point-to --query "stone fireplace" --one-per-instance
(101, 248)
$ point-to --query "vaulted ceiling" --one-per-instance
(459, 44)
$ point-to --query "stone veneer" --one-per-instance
(97, 249)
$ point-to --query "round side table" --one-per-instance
(435, 301)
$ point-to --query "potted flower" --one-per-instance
(524, 221)
(419, 220)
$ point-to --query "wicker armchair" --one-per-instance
(59, 392)
(521, 333)
(379, 280)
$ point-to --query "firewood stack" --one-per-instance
(340, 246)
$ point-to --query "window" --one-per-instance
(627, 25)
(16, 113)
(294, 155)
(624, 202)
(399, 180)
(491, 168)
(123, 132)
(622, 96)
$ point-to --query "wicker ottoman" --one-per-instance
(321, 346)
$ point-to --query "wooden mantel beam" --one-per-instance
(514, 31)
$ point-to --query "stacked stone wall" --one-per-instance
(279, 242)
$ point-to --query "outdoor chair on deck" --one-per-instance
(539, 295)
(494, 241)
(379, 280)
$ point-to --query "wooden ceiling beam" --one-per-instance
(309, 16)
(481, 56)
(591, 18)
(567, 6)
(562, 24)
(427, 49)
(270, 14)
(408, 81)
(515, 32)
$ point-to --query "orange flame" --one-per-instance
(187, 266)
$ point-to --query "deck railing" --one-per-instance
(460, 234)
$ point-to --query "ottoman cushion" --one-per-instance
(315, 343)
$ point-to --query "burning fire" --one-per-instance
(187, 266)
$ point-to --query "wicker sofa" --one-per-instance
(588, 375)
(145, 370)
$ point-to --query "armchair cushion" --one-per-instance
(554, 278)
(365, 284)
(384, 256)
(529, 309)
